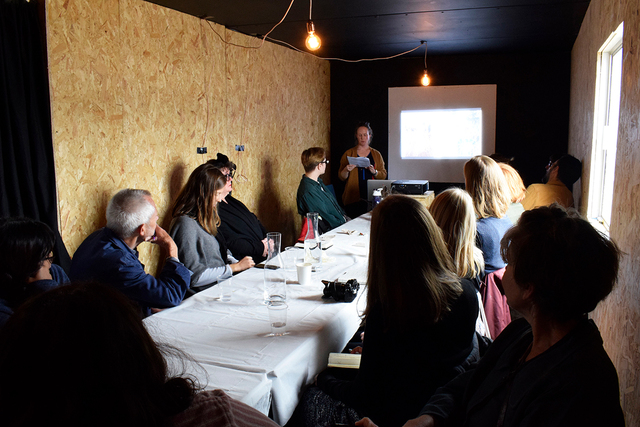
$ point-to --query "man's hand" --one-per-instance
(165, 242)
(266, 247)
(243, 264)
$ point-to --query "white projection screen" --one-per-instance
(434, 130)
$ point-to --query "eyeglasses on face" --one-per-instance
(325, 161)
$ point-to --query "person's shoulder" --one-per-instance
(183, 220)
(183, 224)
(350, 152)
(216, 408)
(468, 287)
(102, 241)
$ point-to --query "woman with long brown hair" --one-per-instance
(195, 229)
(419, 323)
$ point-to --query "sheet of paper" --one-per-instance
(361, 162)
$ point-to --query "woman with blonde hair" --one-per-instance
(517, 190)
(413, 296)
(487, 186)
(453, 212)
(195, 229)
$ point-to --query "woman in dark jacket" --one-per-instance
(419, 323)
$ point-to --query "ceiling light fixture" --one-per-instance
(313, 41)
(425, 77)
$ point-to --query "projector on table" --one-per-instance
(409, 187)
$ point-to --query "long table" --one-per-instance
(229, 341)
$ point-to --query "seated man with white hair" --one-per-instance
(109, 255)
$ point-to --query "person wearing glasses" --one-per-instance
(354, 196)
(242, 231)
(195, 229)
(27, 268)
(314, 196)
(558, 181)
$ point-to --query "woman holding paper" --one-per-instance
(354, 196)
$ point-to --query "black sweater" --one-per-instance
(399, 370)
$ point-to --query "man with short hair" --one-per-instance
(313, 195)
(109, 255)
(558, 182)
(243, 233)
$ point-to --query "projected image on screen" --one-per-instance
(441, 134)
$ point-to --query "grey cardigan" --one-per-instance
(199, 251)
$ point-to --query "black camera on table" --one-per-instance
(341, 291)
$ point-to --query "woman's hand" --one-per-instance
(421, 421)
(243, 264)
(266, 247)
(344, 173)
(365, 422)
(373, 170)
(357, 350)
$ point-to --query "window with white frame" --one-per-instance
(605, 129)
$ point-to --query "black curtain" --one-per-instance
(27, 180)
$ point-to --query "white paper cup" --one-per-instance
(304, 272)
(225, 290)
(278, 318)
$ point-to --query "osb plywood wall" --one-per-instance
(136, 87)
(619, 316)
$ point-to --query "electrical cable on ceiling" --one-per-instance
(263, 38)
(206, 18)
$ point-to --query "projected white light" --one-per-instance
(441, 134)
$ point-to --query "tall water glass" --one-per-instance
(274, 274)
(312, 248)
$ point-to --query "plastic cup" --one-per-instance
(278, 318)
(304, 272)
(225, 290)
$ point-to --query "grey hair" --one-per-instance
(128, 210)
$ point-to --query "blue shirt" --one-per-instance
(58, 277)
(490, 232)
(106, 258)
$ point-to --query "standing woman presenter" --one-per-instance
(354, 196)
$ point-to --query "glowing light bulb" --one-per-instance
(312, 42)
(425, 79)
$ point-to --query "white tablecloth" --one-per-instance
(229, 341)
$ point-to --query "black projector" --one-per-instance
(409, 187)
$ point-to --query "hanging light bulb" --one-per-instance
(425, 77)
(313, 41)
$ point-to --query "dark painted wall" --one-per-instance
(532, 117)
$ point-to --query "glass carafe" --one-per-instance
(312, 248)
(274, 275)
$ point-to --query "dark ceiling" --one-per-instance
(354, 29)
